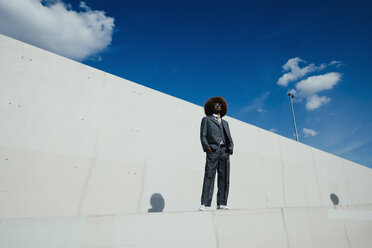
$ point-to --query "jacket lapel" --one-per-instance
(214, 120)
(225, 127)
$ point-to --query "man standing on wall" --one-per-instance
(217, 143)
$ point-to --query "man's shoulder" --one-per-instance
(204, 120)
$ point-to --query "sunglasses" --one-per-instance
(217, 104)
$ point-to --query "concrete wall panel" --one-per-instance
(273, 168)
(245, 141)
(331, 176)
(50, 105)
(49, 232)
(274, 182)
(358, 233)
(358, 179)
(98, 231)
(40, 184)
(247, 183)
(264, 228)
(165, 230)
(310, 227)
(300, 178)
(170, 184)
(112, 187)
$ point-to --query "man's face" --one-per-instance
(217, 108)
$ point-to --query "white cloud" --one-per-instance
(296, 72)
(309, 87)
(309, 132)
(315, 84)
(53, 26)
(336, 63)
(314, 102)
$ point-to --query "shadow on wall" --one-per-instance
(157, 203)
(334, 199)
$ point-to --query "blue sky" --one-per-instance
(237, 49)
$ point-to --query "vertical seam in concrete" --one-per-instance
(317, 177)
(89, 175)
(347, 237)
(264, 182)
(283, 181)
(215, 231)
(348, 188)
(94, 159)
(285, 227)
(143, 180)
(347, 182)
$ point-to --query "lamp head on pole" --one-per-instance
(290, 95)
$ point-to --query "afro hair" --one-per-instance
(209, 105)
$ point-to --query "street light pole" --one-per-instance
(293, 115)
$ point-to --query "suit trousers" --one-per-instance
(219, 161)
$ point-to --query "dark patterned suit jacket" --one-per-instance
(210, 134)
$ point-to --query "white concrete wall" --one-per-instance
(82, 152)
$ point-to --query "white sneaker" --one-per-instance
(222, 207)
(203, 208)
